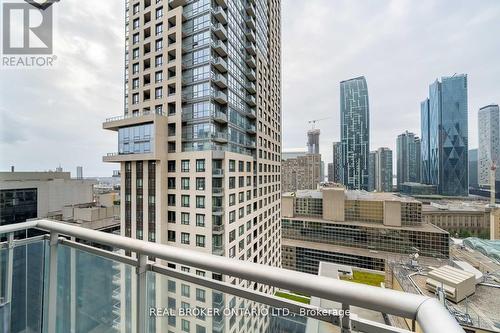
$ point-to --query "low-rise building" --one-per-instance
(28, 195)
(417, 189)
(460, 218)
(354, 228)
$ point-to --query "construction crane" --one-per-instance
(314, 121)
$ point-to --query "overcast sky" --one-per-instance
(52, 117)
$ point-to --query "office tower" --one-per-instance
(337, 162)
(199, 143)
(355, 132)
(408, 150)
(383, 170)
(313, 141)
(331, 175)
(473, 168)
(489, 143)
(445, 136)
(79, 172)
(425, 170)
(355, 228)
(372, 157)
(301, 173)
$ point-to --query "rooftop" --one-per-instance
(353, 195)
(478, 310)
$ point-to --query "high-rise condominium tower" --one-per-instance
(445, 136)
(199, 143)
(408, 158)
(355, 132)
(337, 162)
(383, 170)
(313, 141)
(489, 142)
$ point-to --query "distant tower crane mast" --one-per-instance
(314, 121)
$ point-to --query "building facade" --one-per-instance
(28, 195)
(445, 136)
(383, 170)
(473, 168)
(313, 141)
(337, 162)
(489, 143)
(372, 157)
(301, 173)
(355, 132)
(199, 143)
(355, 228)
(460, 219)
(408, 150)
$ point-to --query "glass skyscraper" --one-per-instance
(445, 136)
(355, 132)
(408, 158)
(489, 145)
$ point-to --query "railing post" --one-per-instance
(52, 302)
(10, 269)
(141, 276)
(345, 321)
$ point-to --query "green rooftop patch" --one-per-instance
(371, 279)
(293, 297)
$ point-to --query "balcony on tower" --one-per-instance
(250, 60)
(220, 31)
(220, 15)
(220, 97)
(220, 80)
(220, 64)
(71, 284)
(250, 48)
(220, 48)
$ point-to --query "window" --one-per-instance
(158, 77)
(200, 165)
(185, 183)
(135, 38)
(200, 240)
(171, 199)
(241, 166)
(200, 295)
(159, 29)
(185, 200)
(171, 183)
(185, 165)
(159, 45)
(158, 93)
(158, 61)
(171, 166)
(200, 184)
(135, 9)
(185, 218)
(241, 197)
(135, 23)
(185, 325)
(232, 199)
(185, 238)
(232, 216)
(135, 68)
(171, 286)
(171, 216)
(135, 53)
(200, 220)
(135, 99)
(232, 236)
(200, 201)
(171, 236)
(232, 165)
(159, 13)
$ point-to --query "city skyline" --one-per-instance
(28, 142)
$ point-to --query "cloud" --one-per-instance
(400, 46)
(55, 116)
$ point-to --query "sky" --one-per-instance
(54, 116)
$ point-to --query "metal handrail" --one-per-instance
(431, 316)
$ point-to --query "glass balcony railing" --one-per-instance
(50, 283)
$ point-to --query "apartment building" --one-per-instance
(301, 173)
(355, 228)
(199, 143)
